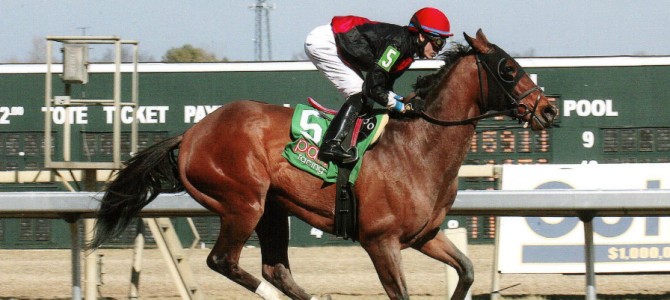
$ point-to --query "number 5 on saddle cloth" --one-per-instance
(307, 128)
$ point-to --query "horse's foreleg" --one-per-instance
(387, 260)
(442, 249)
(273, 234)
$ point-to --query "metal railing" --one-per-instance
(585, 204)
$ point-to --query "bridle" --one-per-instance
(497, 59)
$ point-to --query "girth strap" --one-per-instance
(346, 205)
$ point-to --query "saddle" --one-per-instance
(308, 125)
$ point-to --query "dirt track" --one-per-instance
(342, 272)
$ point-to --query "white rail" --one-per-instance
(568, 203)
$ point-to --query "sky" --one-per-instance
(226, 28)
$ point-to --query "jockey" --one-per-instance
(351, 46)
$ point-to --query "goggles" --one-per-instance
(437, 42)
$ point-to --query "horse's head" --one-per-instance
(508, 87)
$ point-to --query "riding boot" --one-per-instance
(331, 148)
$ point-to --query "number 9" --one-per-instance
(588, 139)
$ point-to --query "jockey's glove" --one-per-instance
(395, 103)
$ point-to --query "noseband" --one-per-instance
(505, 86)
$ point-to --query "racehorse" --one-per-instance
(231, 162)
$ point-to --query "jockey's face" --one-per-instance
(432, 47)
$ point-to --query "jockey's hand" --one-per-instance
(395, 103)
(398, 106)
(415, 105)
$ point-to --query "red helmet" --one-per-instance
(431, 21)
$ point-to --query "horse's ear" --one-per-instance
(481, 44)
(482, 37)
(468, 39)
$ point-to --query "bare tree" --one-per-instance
(299, 56)
(530, 52)
(38, 52)
(126, 55)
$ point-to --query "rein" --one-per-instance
(515, 101)
(468, 121)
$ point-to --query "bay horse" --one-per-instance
(231, 162)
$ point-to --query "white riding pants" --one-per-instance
(321, 50)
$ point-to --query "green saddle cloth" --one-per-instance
(307, 128)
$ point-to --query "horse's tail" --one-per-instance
(151, 172)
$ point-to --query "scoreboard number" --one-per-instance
(588, 139)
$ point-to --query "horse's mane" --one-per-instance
(426, 83)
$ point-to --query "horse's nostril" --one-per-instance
(550, 112)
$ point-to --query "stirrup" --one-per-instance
(337, 154)
(352, 158)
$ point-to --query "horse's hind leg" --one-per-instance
(273, 234)
(236, 228)
(386, 257)
(442, 249)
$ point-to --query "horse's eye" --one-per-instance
(507, 72)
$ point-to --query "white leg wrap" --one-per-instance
(267, 292)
